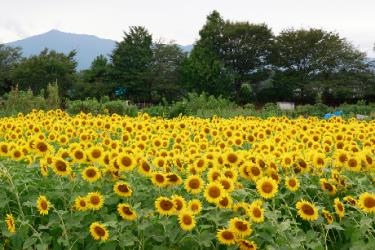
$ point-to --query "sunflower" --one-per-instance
(226, 236)
(43, 205)
(353, 164)
(225, 201)
(241, 227)
(179, 203)
(159, 179)
(350, 200)
(328, 216)
(339, 208)
(121, 188)
(126, 212)
(267, 187)
(231, 173)
(10, 223)
(78, 155)
(164, 206)
(126, 162)
(366, 202)
(95, 154)
(173, 179)
(241, 208)
(144, 168)
(194, 184)
(255, 172)
(95, 200)
(195, 206)
(327, 186)
(227, 183)
(307, 210)
(214, 192)
(186, 220)
(16, 154)
(98, 231)
(246, 245)
(256, 212)
(81, 203)
(41, 147)
(213, 174)
(292, 183)
(61, 167)
(91, 174)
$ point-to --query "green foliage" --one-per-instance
(49, 66)
(9, 57)
(105, 106)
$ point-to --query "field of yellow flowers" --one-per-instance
(114, 182)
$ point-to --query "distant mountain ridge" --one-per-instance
(87, 46)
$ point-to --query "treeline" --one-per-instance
(239, 61)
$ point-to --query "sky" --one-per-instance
(180, 21)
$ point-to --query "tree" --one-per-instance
(131, 61)
(165, 71)
(9, 57)
(203, 70)
(38, 71)
(306, 61)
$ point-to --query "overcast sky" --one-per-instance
(181, 20)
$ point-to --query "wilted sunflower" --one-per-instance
(126, 211)
(96, 200)
(98, 231)
(241, 227)
(43, 205)
(186, 220)
(195, 206)
(214, 192)
(267, 187)
(91, 174)
(194, 184)
(122, 189)
(164, 206)
(246, 245)
(81, 203)
(307, 210)
(292, 183)
(366, 202)
(339, 208)
(11, 225)
(226, 236)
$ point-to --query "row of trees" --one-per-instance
(238, 60)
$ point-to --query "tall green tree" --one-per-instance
(38, 71)
(203, 70)
(165, 72)
(9, 57)
(131, 61)
(307, 61)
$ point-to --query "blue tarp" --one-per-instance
(330, 115)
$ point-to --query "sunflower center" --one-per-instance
(126, 161)
(159, 178)
(187, 220)
(214, 192)
(145, 166)
(224, 202)
(225, 184)
(90, 173)
(42, 147)
(194, 183)
(256, 212)
(255, 171)
(292, 183)
(215, 176)
(94, 200)
(82, 203)
(307, 209)
(96, 153)
(369, 202)
(178, 204)
(320, 161)
(123, 188)
(78, 155)
(194, 207)
(99, 231)
(343, 158)
(328, 186)
(339, 206)
(172, 178)
(200, 164)
(241, 226)
(227, 235)
(61, 166)
(352, 163)
(44, 205)
(166, 205)
(232, 158)
(267, 187)
(127, 210)
(229, 174)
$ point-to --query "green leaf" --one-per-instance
(29, 242)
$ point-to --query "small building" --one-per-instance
(285, 105)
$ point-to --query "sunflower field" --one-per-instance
(116, 182)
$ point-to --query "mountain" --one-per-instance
(87, 46)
